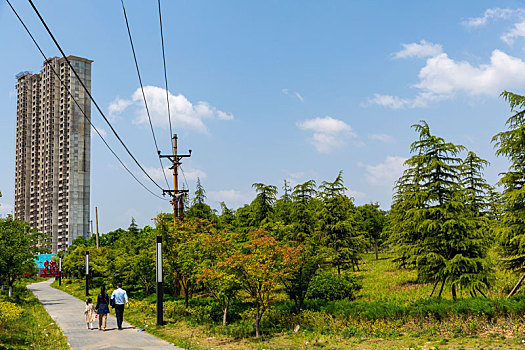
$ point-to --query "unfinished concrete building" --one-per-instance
(53, 142)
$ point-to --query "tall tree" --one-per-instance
(260, 265)
(511, 144)
(283, 206)
(199, 209)
(341, 232)
(302, 234)
(432, 226)
(227, 217)
(18, 243)
(373, 221)
(216, 274)
(263, 204)
(475, 187)
(183, 249)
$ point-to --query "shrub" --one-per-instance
(143, 306)
(330, 286)
(174, 309)
(9, 312)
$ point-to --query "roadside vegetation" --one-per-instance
(25, 324)
(388, 313)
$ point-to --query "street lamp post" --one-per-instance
(59, 271)
(160, 288)
(87, 273)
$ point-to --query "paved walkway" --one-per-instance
(68, 313)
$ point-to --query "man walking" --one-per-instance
(119, 298)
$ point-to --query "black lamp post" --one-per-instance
(59, 271)
(160, 287)
(87, 273)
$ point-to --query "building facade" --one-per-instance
(53, 143)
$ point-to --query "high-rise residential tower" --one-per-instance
(53, 142)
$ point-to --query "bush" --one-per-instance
(9, 312)
(332, 286)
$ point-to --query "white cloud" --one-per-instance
(389, 101)
(6, 208)
(157, 175)
(386, 173)
(518, 31)
(381, 137)
(224, 116)
(230, 197)
(442, 78)
(296, 94)
(356, 194)
(118, 106)
(421, 50)
(102, 132)
(184, 114)
(443, 75)
(194, 174)
(190, 174)
(489, 14)
(296, 176)
(422, 99)
(328, 133)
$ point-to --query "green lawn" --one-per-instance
(35, 329)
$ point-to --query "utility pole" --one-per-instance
(176, 194)
(96, 219)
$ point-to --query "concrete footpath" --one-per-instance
(68, 313)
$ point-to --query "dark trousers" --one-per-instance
(119, 311)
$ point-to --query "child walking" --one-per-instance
(90, 313)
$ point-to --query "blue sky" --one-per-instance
(263, 91)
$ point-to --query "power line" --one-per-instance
(184, 175)
(75, 101)
(165, 72)
(143, 94)
(89, 94)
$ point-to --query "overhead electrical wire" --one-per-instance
(165, 71)
(143, 94)
(184, 175)
(75, 101)
(90, 96)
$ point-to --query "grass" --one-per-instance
(388, 283)
(383, 282)
(35, 329)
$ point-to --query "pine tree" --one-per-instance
(199, 208)
(263, 203)
(372, 220)
(434, 230)
(474, 186)
(511, 144)
(303, 215)
(302, 233)
(283, 206)
(341, 233)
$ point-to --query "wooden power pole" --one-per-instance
(176, 194)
